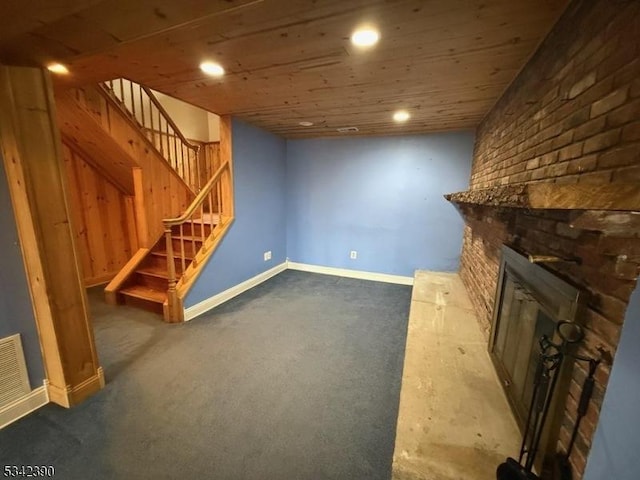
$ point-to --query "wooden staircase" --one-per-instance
(147, 286)
(173, 248)
(159, 278)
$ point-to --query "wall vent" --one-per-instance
(348, 129)
(14, 381)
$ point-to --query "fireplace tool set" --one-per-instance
(550, 360)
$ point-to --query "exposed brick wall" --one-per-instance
(572, 115)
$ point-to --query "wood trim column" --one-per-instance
(31, 148)
(226, 154)
(140, 209)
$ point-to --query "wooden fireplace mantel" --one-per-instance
(546, 195)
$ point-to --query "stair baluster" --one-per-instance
(172, 294)
(165, 137)
(191, 238)
(206, 218)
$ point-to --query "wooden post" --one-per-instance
(174, 311)
(227, 176)
(219, 200)
(31, 149)
(197, 157)
(140, 209)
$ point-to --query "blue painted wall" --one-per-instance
(16, 313)
(615, 453)
(379, 196)
(260, 225)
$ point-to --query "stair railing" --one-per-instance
(143, 107)
(209, 159)
(212, 207)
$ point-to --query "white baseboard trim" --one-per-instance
(222, 297)
(343, 272)
(24, 406)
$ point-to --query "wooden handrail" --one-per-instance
(191, 209)
(203, 221)
(142, 106)
(170, 121)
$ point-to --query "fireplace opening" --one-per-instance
(530, 302)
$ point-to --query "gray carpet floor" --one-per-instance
(298, 378)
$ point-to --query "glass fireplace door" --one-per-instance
(521, 323)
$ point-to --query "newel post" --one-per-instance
(172, 314)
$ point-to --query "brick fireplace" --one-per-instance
(556, 172)
(530, 302)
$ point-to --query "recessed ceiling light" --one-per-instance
(211, 68)
(401, 116)
(306, 124)
(57, 68)
(365, 37)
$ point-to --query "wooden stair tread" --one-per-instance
(155, 272)
(163, 253)
(145, 293)
(188, 238)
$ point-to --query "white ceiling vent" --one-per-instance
(14, 381)
(348, 129)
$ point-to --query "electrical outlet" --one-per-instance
(267, 255)
(353, 255)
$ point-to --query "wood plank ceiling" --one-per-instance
(287, 61)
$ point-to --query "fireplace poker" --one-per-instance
(562, 466)
(549, 362)
(544, 383)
